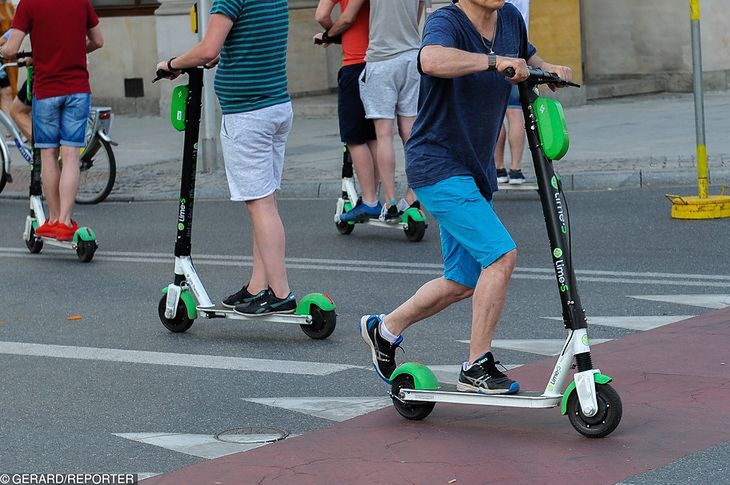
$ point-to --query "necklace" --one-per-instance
(484, 40)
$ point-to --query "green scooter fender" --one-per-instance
(84, 234)
(599, 378)
(414, 214)
(324, 302)
(423, 377)
(189, 301)
(347, 208)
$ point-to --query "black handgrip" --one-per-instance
(23, 54)
(161, 74)
(510, 72)
(318, 41)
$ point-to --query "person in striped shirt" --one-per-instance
(249, 38)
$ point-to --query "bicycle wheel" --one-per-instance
(3, 173)
(98, 171)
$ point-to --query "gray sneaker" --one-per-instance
(483, 376)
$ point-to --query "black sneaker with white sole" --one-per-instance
(502, 176)
(382, 351)
(483, 376)
(241, 297)
(267, 304)
(516, 177)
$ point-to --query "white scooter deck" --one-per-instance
(219, 311)
(448, 394)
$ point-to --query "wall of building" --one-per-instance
(652, 37)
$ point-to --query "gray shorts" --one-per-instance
(389, 88)
(253, 149)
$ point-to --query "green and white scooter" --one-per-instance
(592, 405)
(84, 239)
(413, 221)
(185, 299)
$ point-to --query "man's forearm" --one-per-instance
(447, 62)
(536, 61)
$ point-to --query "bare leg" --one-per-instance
(6, 99)
(499, 149)
(365, 169)
(270, 241)
(69, 182)
(488, 302)
(386, 157)
(516, 137)
(51, 176)
(21, 115)
(405, 125)
(258, 280)
(430, 299)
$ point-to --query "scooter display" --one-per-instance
(185, 298)
(412, 221)
(592, 405)
(84, 239)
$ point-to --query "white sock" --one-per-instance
(370, 204)
(466, 366)
(386, 334)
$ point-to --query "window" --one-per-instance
(121, 8)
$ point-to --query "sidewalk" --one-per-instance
(620, 142)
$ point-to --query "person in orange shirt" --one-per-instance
(352, 29)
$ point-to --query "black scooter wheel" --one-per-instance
(604, 421)
(413, 411)
(323, 323)
(345, 228)
(34, 244)
(85, 250)
(181, 322)
(415, 230)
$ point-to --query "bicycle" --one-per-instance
(98, 168)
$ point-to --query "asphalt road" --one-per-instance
(61, 413)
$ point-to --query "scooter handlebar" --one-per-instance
(538, 76)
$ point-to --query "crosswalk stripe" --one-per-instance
(331, 408)
(173, 359)
(548, 347)
(632, 323)
(702, 300)
(200, 445)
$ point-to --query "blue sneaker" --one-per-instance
(483, 377)
(361, 212)
(383, 352)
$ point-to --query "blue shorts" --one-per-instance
(514, 98)
(472, 236)
(61, 120)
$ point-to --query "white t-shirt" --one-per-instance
(524, 7)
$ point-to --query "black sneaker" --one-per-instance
(502, 176)
(416, 205)
(516, 177)
(383, 352)
(267, 304)
(390, 214)
(484, 377)
(241, 297)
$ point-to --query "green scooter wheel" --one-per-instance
(181, 322)
(413, 411)
(604, 421)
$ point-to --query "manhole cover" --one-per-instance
(251, 435)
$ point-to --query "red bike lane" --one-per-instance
(674, 383)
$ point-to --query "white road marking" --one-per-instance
(536, 346)
(632, 323)
(395, 267)
(200, 445)
(331, 408)
(704, 300)
(173, 359)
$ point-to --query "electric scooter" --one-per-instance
(84, 239)
(592, 405)
(185, 299)
(413, 221)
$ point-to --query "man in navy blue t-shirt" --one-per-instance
(467, 46)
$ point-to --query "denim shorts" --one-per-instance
(472, 236)
(514, 98)
(61, 120)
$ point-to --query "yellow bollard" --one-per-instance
(704, 206)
